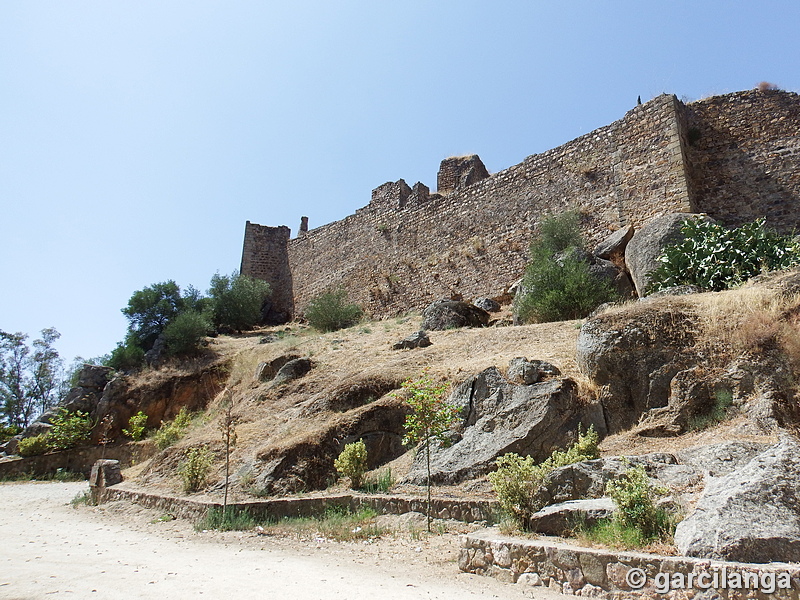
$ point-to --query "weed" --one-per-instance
(228, 520)
(382, 483)
(336, 523)
(165, 518)
(612, 533)
(82, 499)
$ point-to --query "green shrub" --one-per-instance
(127, 356)
(716, 258)
(331, 312)
(137, 426)
(517, 479)
(185, 332)
(195, 467)
(34, 446)
(634, 498)
(352, 463)
(558, 284)
(169, 433)
(237, 300)
(69, 429)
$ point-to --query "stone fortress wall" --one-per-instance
(735, 157)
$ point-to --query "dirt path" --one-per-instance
(51, 550)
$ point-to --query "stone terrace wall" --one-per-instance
(744, 156)
(394, 257)
(604, 574)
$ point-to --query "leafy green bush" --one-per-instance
(184, 332)
(352, 463)
(558, 284)
(69, 429)
(330, 311)
(237, 300)
(169, 433)
(716, 258)
(137, 425)
(517, 479)
(34, 445)
(195, 467)
(635, 497)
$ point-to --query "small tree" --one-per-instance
(227, 427)
(352, 463)
(237, 300)
(150, 310)
(429, 421)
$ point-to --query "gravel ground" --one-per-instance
(51, 549)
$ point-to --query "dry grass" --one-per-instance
(352, 359)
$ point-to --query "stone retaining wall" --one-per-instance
(445, 508)
(76, 460)
(604, 573)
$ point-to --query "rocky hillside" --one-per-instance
(699, 388)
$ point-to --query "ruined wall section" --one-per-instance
(404, 250)
(743, 152)
(265, 255)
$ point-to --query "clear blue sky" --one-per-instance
(136, 138)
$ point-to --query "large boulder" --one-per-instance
(647, 244)
(266, 371)
(450, 314)
(633, 356)
(419, 339)
(613, 247)
(750, 515)
(293, 369)
(497, 417)
(527, 372)
(561, 519)
(615, 276)
(487, 304)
